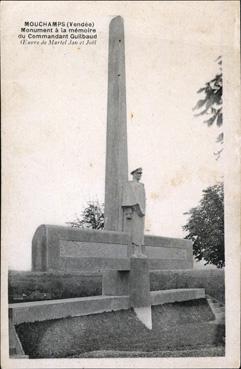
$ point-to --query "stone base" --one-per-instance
(59, 248)
(134, 282)
(139, 282)
(175, 326)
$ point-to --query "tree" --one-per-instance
(212, 103)
(91, 217)
(205, 227)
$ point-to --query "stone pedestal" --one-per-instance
(134, 282)
(139, 282)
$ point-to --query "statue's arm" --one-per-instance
(128, 211)
(139, 211)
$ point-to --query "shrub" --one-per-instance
(32, 286)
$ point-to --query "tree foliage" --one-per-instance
(212, 102)
(205, 227)
(91, 217)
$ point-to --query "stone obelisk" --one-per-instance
(116, 171)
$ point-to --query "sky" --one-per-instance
(54, 113)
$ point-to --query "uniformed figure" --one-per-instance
(134, 206)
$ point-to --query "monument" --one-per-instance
(122, 252)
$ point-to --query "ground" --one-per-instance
(177, 328)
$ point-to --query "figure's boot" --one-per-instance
(139, 252)
(136, 251)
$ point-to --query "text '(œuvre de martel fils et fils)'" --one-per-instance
(58, 33)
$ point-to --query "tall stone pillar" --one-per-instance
(116, 171)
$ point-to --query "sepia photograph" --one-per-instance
(120, 184)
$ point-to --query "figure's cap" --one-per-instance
(136, 170)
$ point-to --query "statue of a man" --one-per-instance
(134, 206)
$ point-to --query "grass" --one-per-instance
(176, 327)
(206, 351)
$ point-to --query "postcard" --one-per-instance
(121, 184)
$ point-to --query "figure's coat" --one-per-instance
(134, 197)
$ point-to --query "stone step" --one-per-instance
(218, 310)
(15, 346)
(57, 309)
